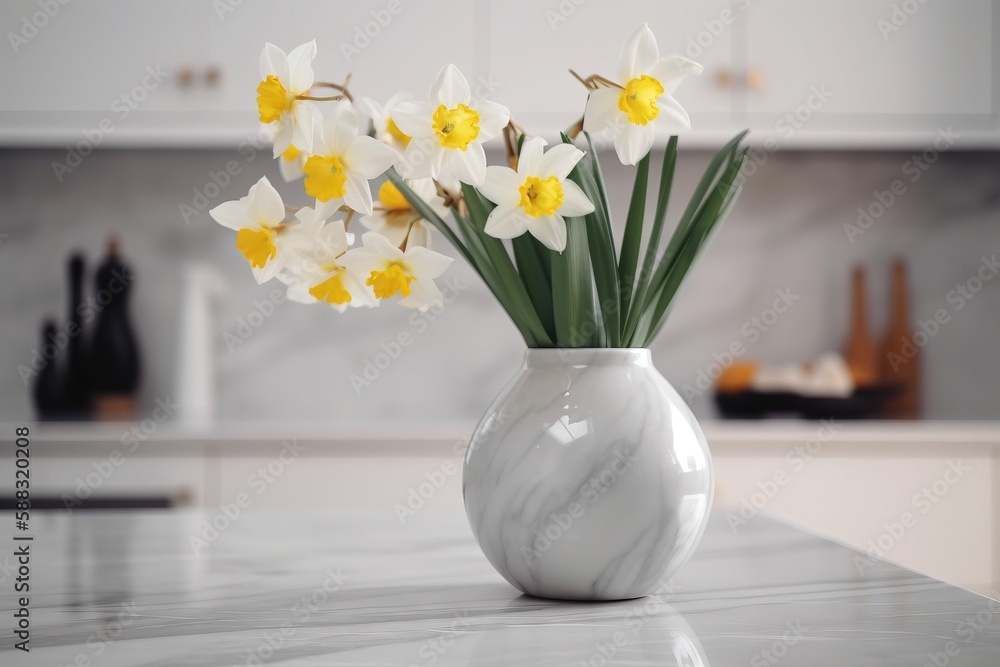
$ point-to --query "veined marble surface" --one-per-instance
(117, 589)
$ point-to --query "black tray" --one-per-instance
(863, 403)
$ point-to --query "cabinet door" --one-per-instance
(533, 45)
(386, 46)
(885, 66)
(103, 66)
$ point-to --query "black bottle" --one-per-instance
(76, 389)
(114, 352)
(47, 390)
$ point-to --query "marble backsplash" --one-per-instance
(238, 353)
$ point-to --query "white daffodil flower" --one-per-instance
(386, 129)
(644, 102)
(291, 164)
(341, 163)
(537, 196)
(395, 219)
(316, 275)
(391, 271)
(448, 133)
(262, 234)
(284, 79)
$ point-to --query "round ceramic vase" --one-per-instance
(588, 478)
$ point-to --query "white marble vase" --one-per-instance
(588, 478)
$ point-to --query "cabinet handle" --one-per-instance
(724, 77)
(185, 76)
(756, 79)
(212, 76)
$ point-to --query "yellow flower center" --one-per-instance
(391, 198)
(638, 100)
(393, 129)
(331, 290)
(272, 99)
(325, 177)
(389, 281)
(290, 154)
(540, 197)
(456, 128)
(257, 245)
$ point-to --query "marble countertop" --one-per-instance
(163, 588)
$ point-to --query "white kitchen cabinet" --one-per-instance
(98, 70)
(893, 73)
(876, 67)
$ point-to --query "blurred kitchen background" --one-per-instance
(875, 124)
(875, 143)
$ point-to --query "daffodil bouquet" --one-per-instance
(538, 231)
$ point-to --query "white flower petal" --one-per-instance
(426, 189)
(282, 134)
(358, 195)
(290, 169)
(381, 246)
(368, 157)
(450, 88)
(559, 161)
(507, 222)
(413, 118)
(551, 231)
(371, 109)
(305, 117)
(423, 295)
(602, 113)
(326, 209)
(300, 67)
(340, 128)
(269, 270)
(575, 202)
(232, 214)
(632, 142)
(501, 184)
(673, 118)
(427, 263)
(274, 62)
(265, 206)
(362, 261)
(469, 166)
(419, 160)
(377, 223)
(335, 237)
(493, 118)
(530, 160)
(639, 55)
(672, 70)
(420, 236)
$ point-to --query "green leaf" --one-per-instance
(653, 243)
(598, 177)
(512, 282)
(602, 251)
(709, 216)
(632, 239)
(533, 271)
(572, 293)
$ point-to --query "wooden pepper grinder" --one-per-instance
(900, 356)
(860, 350)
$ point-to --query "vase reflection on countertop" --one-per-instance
(631, 632)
